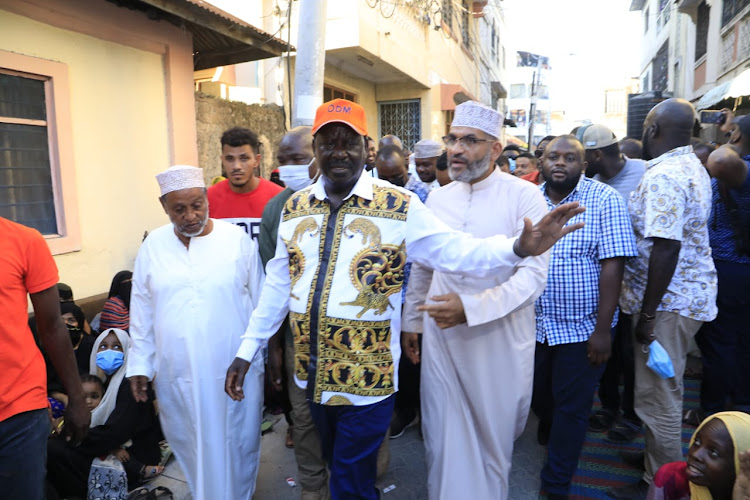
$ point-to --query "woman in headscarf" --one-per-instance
(713, 462)
(83, 345)
(116, 310)
(117, 420)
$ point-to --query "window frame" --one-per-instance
(334, 88)
(60, 139)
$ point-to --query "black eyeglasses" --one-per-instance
(466, 141)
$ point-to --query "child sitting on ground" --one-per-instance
(713, 462)
(116, 418)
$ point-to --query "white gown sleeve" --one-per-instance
(273, 305)
(432, 243)
(142, 352)
(521, 289)
(420, 280)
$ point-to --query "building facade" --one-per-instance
(407, 63)
(697, 49)
(95, 99)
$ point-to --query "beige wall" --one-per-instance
(215, 115)
(128, 108)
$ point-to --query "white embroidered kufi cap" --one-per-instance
(180, 177)
(427, 148)
(476, 115)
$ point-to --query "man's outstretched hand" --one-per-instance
(139, 387)
(236, 378)
(538, 238)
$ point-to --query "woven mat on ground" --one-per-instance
(600, 465)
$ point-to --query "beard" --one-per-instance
(566, 184)
(197, 232)
(473, 170)
(647, 156)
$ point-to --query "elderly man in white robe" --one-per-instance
(478, 333)
(195, 284)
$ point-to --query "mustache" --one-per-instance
(339, 163)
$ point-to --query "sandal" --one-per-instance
(160, 492)
(624, 431)
(601, 421)
(138, 494)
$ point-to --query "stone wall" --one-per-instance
(215, 115)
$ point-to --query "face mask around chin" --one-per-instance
(295, 177)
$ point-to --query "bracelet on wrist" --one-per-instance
(647, 317)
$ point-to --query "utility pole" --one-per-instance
(532, 108)
(310, 61)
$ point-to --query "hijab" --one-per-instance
(77, 312)
(102, 412)
(738, 425)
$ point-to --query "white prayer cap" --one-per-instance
(180, 177)
(427, 148)
(476, 115)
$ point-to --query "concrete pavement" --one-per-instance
(406, 476)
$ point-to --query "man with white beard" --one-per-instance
(479, 334)
(196, 282)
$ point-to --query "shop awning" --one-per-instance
(736, 87)
(452, 95)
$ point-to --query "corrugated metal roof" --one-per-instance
(219, 38)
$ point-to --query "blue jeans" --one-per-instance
(564, 385)
(23, 455)
(350, 437)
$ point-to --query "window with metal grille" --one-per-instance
(661, 68)
(402, 119)
(664, 12)
(26, 183)
(701, 30)
(447, 13)
(645, 17)
(731, 8)
(330, 92)
(465, 28)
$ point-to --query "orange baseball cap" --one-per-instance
(341, 111)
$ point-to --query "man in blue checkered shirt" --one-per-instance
(578, 309)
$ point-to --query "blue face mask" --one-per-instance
(659, 361)
(512, 165)
(109, 361)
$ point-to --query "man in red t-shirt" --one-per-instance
(240, 198)
(27, 267)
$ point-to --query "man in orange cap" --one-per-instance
(338, 271)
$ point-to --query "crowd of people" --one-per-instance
(368, 288)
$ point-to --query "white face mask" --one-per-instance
(295, 177)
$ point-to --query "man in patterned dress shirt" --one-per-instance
(576, 314)
(670, 287)
(338, 273)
